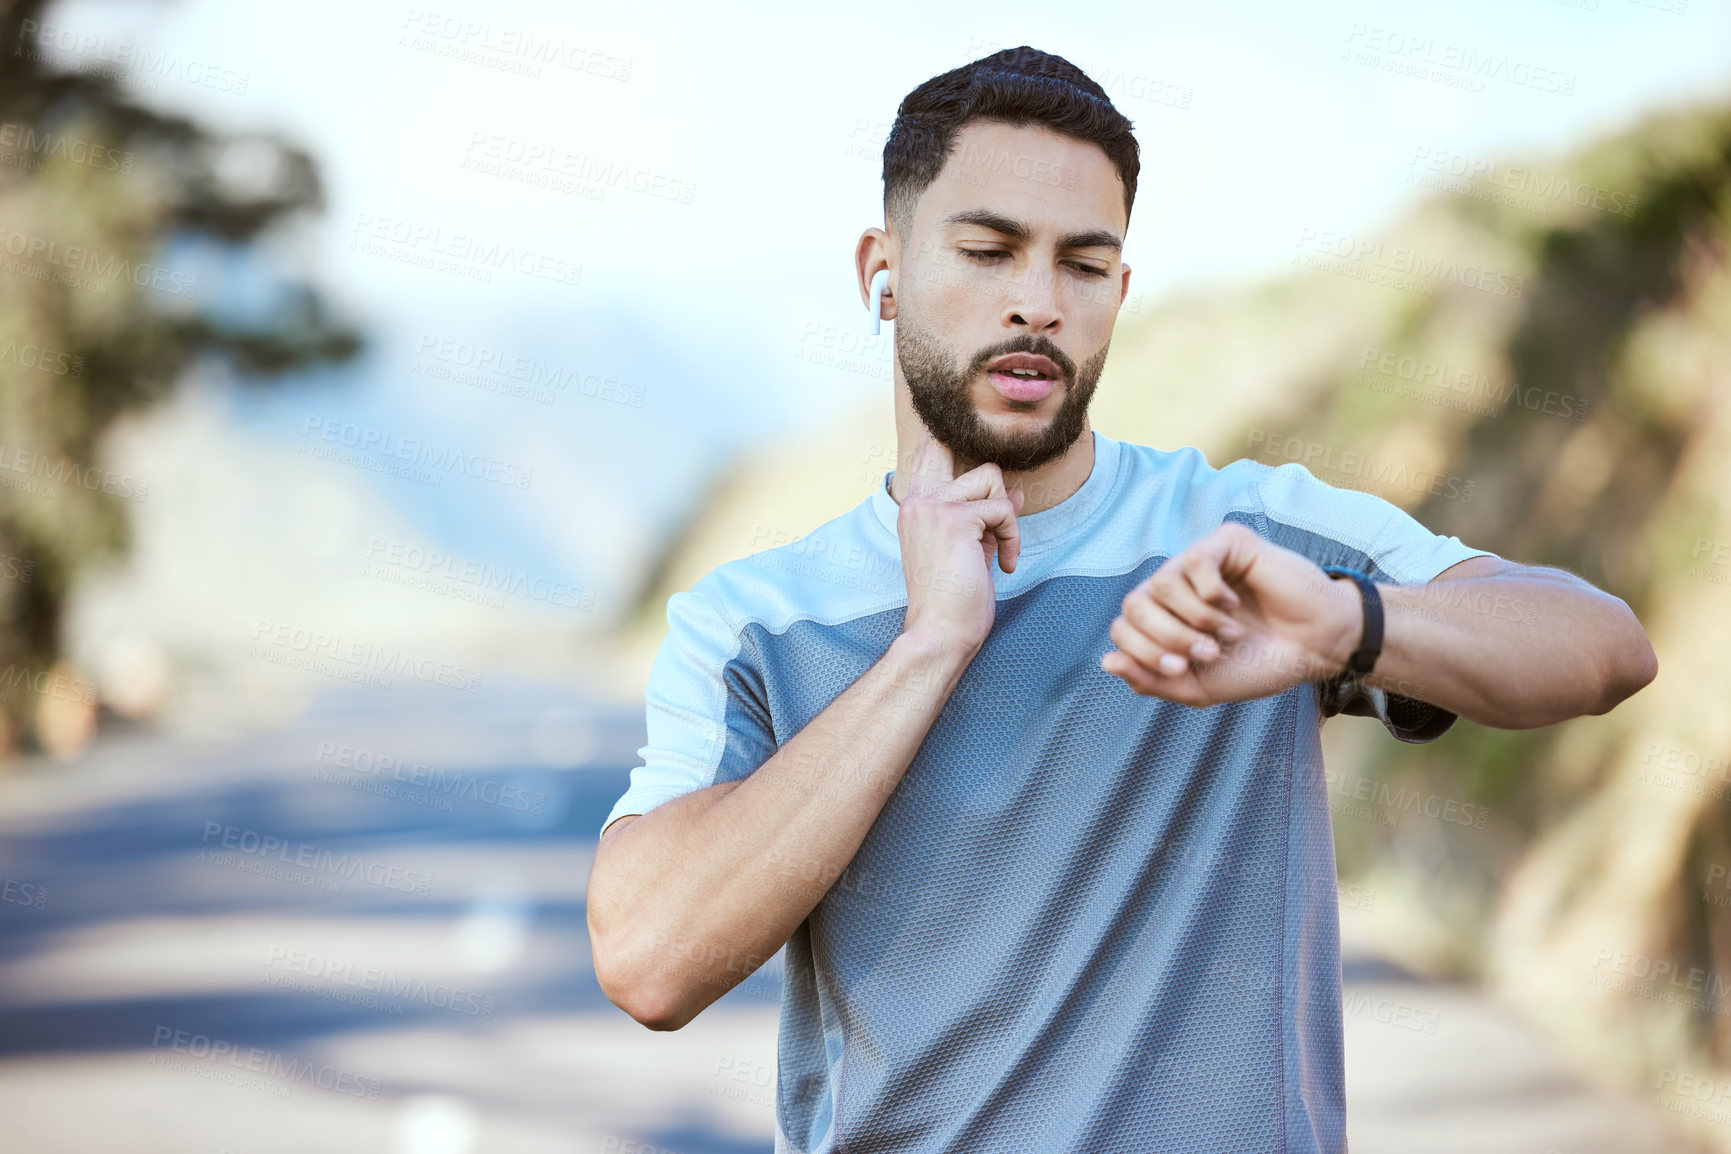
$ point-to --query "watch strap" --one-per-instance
(1363, 659)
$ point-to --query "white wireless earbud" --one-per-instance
(880, 282)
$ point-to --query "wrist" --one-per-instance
(933, 652)
(1344, 618)
(1345, 628)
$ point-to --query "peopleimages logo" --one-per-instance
(1519, 187)
(42, 359)
(280, 641)
(1455, 65)
(78, 259)
(30, 149)
(60, 471)
(339, 980)
(438, 572)
(47, 683)
(366, 439)
(1391, 800)
(1315, 455)
(549, 165)
(522, 49)
(62, 44)
(498, 370)
(1468, 389)
(465, 254)
(24, 894)
(211, 1052)
(441, 782)
(1331, 251)
(345, 867)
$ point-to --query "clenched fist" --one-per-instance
(1233, 617)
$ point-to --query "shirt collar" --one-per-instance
(1049, 526)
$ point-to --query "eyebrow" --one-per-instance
(1009, 226)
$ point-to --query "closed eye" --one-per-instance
(990, 256)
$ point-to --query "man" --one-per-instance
(1020, 757)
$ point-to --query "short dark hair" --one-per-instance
(1017, 86)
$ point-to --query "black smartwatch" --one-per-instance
(1363, 659)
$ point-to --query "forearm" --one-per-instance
(1514, 651)
(691, 897)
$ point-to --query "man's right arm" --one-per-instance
(685, 901)
(688, 899)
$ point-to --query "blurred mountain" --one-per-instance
(1536, 358)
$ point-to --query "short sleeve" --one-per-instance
(1406, 718)
(707, 719)
(1335, 526)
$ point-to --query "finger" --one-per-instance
(1234, 548)
(985, 480)
(1146, 651)
(1186, 691)
(1146, 611)
(1205, 578)
(998, 518)
(1008, 561)
(1230, 551)
(1179, 593)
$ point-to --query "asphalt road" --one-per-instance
(365, 933)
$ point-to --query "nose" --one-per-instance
(1033, 305)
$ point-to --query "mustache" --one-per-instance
(1035, 346)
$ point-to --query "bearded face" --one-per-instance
(946, 388)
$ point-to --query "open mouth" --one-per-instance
(1022, 376)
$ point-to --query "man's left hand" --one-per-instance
(1233, 617)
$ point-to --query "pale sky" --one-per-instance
(759, 129)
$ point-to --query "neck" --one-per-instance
(1042, 488)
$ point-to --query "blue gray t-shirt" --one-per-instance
(1085, 919)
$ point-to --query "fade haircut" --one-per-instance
(1016, 86)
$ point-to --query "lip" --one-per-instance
(1015, 388)
(1019, 389)
(1039, 364)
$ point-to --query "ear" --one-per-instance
(874, 264)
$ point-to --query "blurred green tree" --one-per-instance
(101, 313)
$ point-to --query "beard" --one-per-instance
(943, 397)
